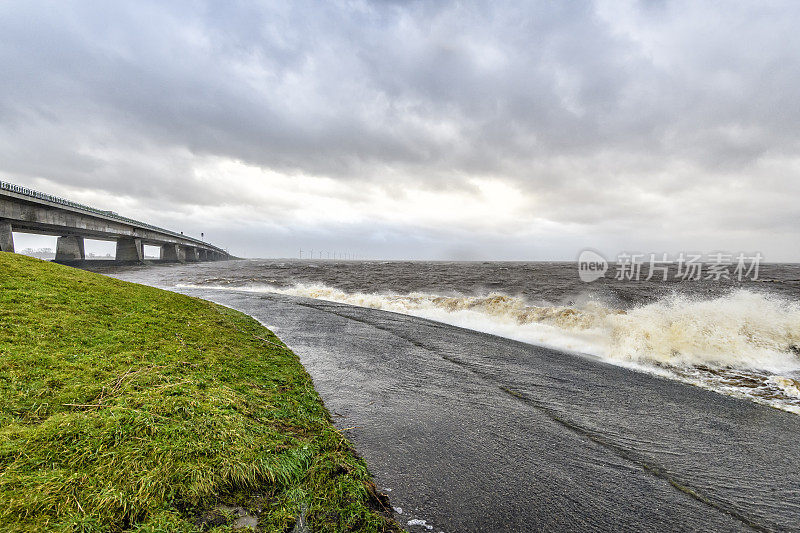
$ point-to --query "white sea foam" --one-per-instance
(418, 522)
(693, 340)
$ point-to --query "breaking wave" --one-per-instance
(745, 344)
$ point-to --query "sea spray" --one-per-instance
(742, 330)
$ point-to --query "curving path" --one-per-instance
(473, 432)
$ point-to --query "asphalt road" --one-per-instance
(473, 432)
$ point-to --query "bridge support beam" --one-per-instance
(169, 253)
(130, 249)
(190, 254)
(6, 237)
(70, 248)
(202, 254)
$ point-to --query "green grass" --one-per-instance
(128, 408)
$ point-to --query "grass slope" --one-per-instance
(128, 408)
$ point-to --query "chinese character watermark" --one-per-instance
(686, 266)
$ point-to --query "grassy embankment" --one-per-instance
(124, 407)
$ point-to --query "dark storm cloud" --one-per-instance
(600, 111)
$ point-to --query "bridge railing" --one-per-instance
(4, 185)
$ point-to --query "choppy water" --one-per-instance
(736, 338)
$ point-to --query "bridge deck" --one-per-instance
(29, 211)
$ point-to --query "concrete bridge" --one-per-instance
(28, 211)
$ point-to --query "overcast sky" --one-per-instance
(423, 130)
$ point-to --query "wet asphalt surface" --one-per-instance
(472, 432)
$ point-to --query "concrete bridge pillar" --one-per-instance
(202, 254)
(190, 254)
(70, 248)
(129, 249)
(169, 253)
(6, 237)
